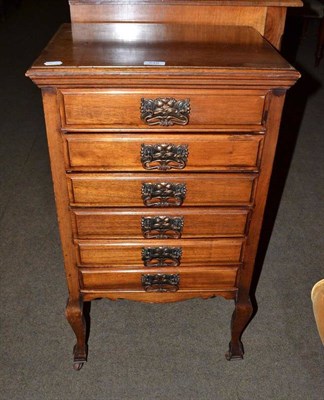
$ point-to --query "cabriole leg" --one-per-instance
(240, 318)
(75, 317)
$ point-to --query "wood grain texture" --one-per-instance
(145, 297)
(257, 14)
(236, 83)
(275, 25)
(126, 223)
(125, 44)
(294, 3)
(124, 190)
(121, 108)
(271, 139)
(114, 56)
(74, 308)
(177, 14)
(128, 280)
(117, 253)
(54, 139)
(122, 152)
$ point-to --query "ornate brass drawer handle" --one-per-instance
(162, 227)
(161, 256)
(164, 156)
(165, 111)
(161, 282)
(163, 194)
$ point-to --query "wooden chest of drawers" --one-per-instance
(160, 172)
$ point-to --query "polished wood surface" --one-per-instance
(228, 293)
(109, 57)
(235, 82)
(125, 190)
(74, 309)
(128, 253)
(180, 14)
(130, 44)
(100, 223)
(267, 17)
(209, 109)
(288, 3)
(198, 279)
(116, 152)
(275, 25)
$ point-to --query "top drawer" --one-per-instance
(166, 109)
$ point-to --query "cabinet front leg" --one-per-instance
(240, 318)
(75, 316)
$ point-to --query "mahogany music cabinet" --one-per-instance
(162, 120)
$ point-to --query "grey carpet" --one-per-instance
(143, 351)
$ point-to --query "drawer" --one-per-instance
(152, 280)
(158, 223)
(166, 108)
(159, 253)
(157, 190)
(134, 152)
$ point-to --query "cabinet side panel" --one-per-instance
(55, 147)
(274, 25)
(271, 138)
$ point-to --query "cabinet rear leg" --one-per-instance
(75, 316)
(240, 318)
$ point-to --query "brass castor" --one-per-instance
(77, 366)
(79, 357)
(234, 353)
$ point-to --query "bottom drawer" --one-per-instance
(162, 280)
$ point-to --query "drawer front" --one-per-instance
(167, 108)
(134, 152)
(159, 253)
(152, 280)
(155, 190)
(159, 223)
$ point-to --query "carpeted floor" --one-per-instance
(142, 351)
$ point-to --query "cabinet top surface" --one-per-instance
(132, 45)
